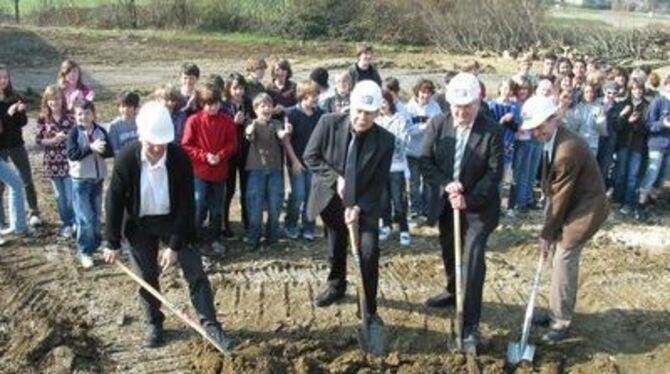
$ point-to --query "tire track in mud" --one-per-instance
(60, 303)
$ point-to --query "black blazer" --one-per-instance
(123, 195)
(481, 167)
(325, 157)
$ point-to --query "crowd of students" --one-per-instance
(242, 133)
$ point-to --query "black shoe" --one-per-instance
(154, 336)
(470, 339)
(541, 319)
(554, 336)
(443, 300)
(220, 337)
(227, 233)
(328, 297)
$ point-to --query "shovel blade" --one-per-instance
(370, 342)
(517, 352)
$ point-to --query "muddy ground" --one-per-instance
(57, 318)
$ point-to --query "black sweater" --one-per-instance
(11, 135)
(124, 193)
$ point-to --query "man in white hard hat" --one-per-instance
(462, 158)
(152, 183)
(576, 207)
(350, 158)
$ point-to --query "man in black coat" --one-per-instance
(350, 158)
(152, 184)
(462, 158)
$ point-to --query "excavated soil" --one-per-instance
(57, 318)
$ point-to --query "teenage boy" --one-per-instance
(190, 73)
(123, 129)
(363, 69)
(210, 139)
(303, 117)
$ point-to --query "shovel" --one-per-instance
(522, 351)
(368, 342)
(172, 308)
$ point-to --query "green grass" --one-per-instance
(570, 16)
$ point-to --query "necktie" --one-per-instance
(459, 151)
(350, 172)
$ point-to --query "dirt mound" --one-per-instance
(304, 356)
(38, 333)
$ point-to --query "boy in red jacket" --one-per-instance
(210, 139)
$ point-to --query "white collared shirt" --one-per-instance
(549, 146)
(462, 137)
(154, 189)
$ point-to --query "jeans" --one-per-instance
(419, 192)
(535, 160)
(297, 203)
(627, 174)
(521, 174)
(605, 158)
(63, 190)
(264, 188)
(87, 198)
(19, 157)
(394, 200)
(17, 213)
(658, 170)
(208, 198)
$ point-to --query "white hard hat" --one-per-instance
(367, 96)
(154, 123)
(536, 110)
(463, 89)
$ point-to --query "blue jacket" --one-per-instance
(659, 135)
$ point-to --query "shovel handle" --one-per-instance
(171, 307)
(353, 241)
(525, 332)
(459, 277)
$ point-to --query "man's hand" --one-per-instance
(340, 187)
(166, 259)
(625, 111)
(545, 247)
(351, 215)
(457, 201)
(666, 122)
(453, 188)
(110, 255)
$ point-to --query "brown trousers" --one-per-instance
(564, 282)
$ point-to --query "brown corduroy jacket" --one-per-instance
(576, 202)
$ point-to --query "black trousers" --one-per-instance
(474, 236)
(235, 166)
(337, 235)
(144, 241)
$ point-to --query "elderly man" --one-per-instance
(152, 183)
(576, 207)
(462, 157)
(350, 158)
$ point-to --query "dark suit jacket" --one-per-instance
(481, 167)
(123, 195)
(325, 157)
(577, 204)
